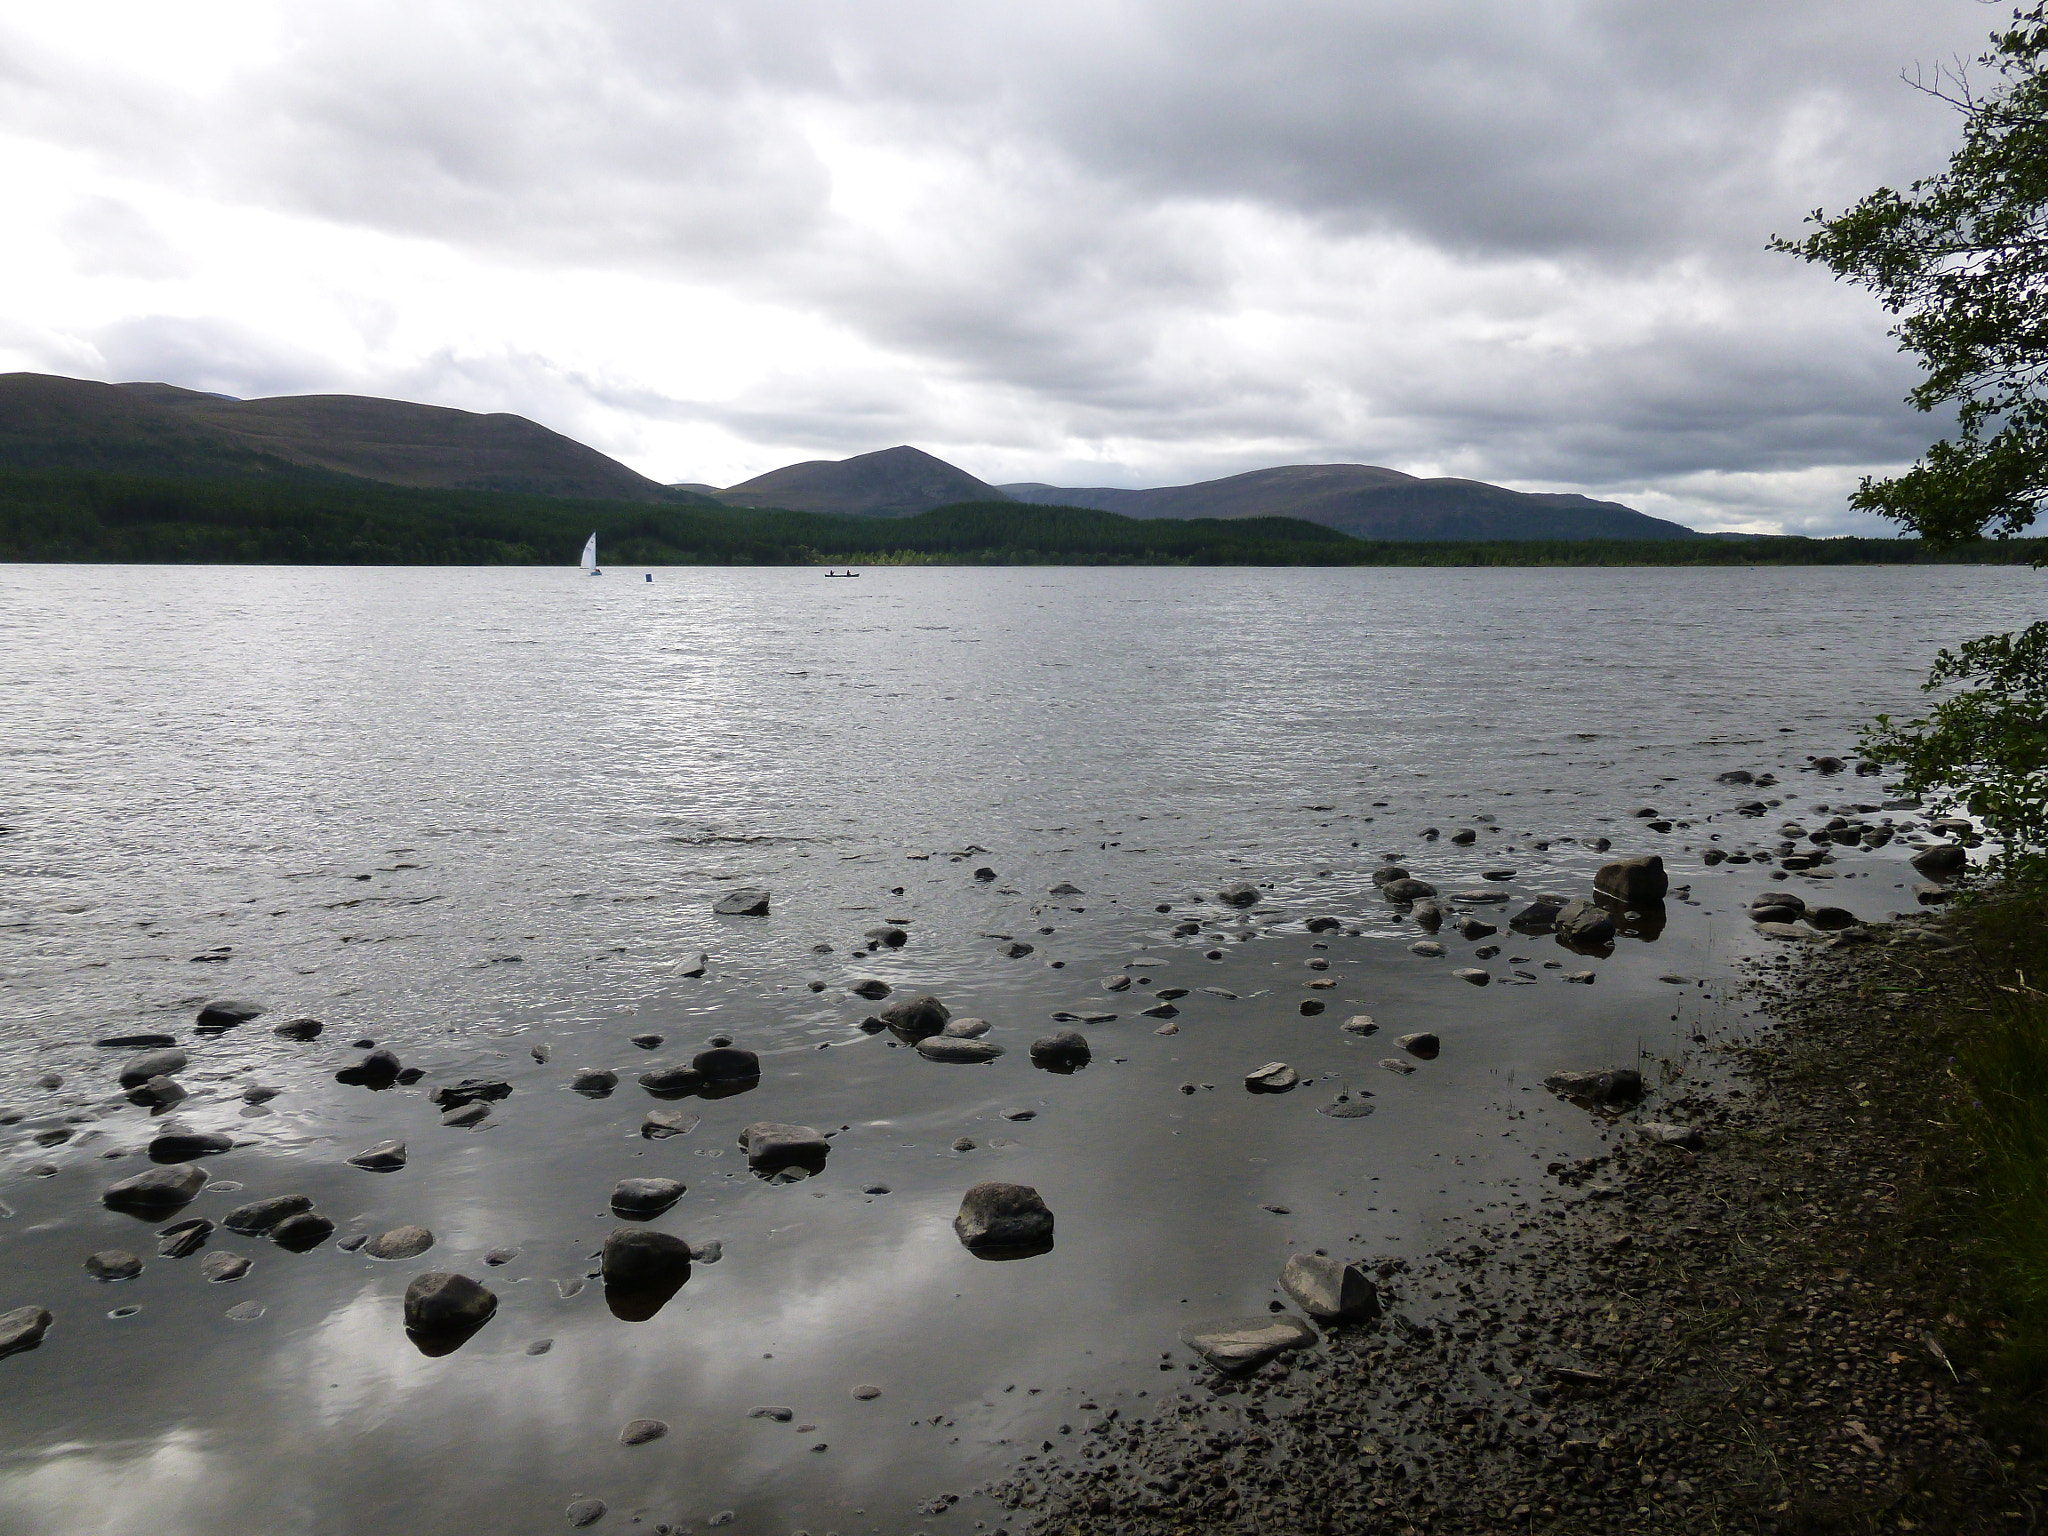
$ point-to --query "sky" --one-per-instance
(1119, 242)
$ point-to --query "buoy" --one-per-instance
(650, 575)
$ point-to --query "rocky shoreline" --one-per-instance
(1758, 1328)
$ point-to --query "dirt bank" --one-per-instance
(1773, 1333)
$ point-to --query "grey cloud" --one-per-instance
(217, 355)
(110, 238)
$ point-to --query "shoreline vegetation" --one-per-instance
(1824, 1315)
(77, 517)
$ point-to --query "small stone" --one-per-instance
(645, 1198)
(1422, 1044)
(260, 1093)
(384, 1157)
(226, 1013)
(747, 901)
(1239, 1346)
(400, 1243)
(1330, 1290)
(997, 1215)
(638, 1257)
(540, 1346)
(1473, 974)
(1397, 1065)
(261, 1215)
(963, 1144)
(157, 1093)
(773, 1411)
(182, 1239)
(1635, 881)
(585, 1512)
(640, 1431)
(1429, 949)
(1063, 1048)
(659, 1124)
(300, 1233)
(769, 1145)
(299, 1029)
(113, 1264)
(498, 1256)
(137, 1070)
(440, 1303)
(864, 1393)
(180, 1146)
(247, 1312)
(1273, 1077)
(707, 1252)
(467, 1116)
(595, 1082)
(1663, 1134)
(964, 1052)
(1242, 894)
(1019, 1114)
(1361, 1024)
(470, 1090)
(647, 1042)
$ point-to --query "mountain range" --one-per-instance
(52, 423)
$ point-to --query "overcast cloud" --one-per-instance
(1125, 242)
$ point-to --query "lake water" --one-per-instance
(468, 813)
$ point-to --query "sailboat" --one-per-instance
(590, 556)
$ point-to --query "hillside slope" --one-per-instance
(894, 482)
(55, 423)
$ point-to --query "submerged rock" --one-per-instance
(379, 1069)
(1407, 890)
(660, 1124)
(182, 1239)
(1540, 916)
(113, 1264)
(157, 1093)
(641, 1431)
(384, 1157)
(673, 1077)
(946, 1048)
(467, 1116)
(1584, 922)
(638, 1257)
(400, 1243)
(916, 1017)
(770, 1146)
(1473, 974)
(1330, 1290)
(140, 1069)
(1421, 1044)
(645, 1198)
(1940, 859)
(1619, 1086)
(220, 1266)
(23, 1329)
(181, 1146)
(1063, 1048)
(1273, 1077)
(966, 1028)
(442, 1305)
(747, 901)
(470, 1090)
(1634, 880)
(260, 1216)
(158, 1189)
(1238, 1346)
(226, 1013)
(303, 1232)
(1241, 894)
(299, 1029)
(595, 1082)
(998, 1215)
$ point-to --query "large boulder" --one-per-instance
(1634, 880)
(1940, 859)
(1330, 1290)
(1238, 1346)
(996, 1215)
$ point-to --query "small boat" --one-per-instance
(590, 557)
(840, 575)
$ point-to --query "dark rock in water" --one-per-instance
(1159, 1011)
(672, 1077)
(1003, 1216)
(1939, 859)
(140, 1069)
(661, 1124)
(984, 874)
(113, 1264)
(219, 1267)
(158, 1189)
(299, 1029)
(260, 1093)
(1583, 922)
(595, 1082)
(353, 1244)
(1273, 1077)
(1065, 1048)
(1470, 927)
(400, 1243)
(1064, 888)
(137, 1042)
(916, 1017)
(158, 1093)
(300, 1233)
(585, 1512)
(1407, 890)
(1361, 1024)
(727, 1064)
(1017, 949)
(1114, 983)
(1831, 917)
(226, 1013)
(707, 1253)
(384, 1157)
(1397, 1065)
(182, 1146)
(1429, 949)
(1238, 1346)
(1583, 978)
(379, 1069)
(1019, 1114)
(891, 937)
(1428, 914)
(772, 1411)
(1617, 1087)
(1540, 916)
(943, 1047)
(1735, 776)
(870, 989)
(446, 1308)
(1712, 856)
(769, 1146)
(1663, 1134)
(1634, 880)
(1387, 874)
(642, 1270)
(409, 1075)
(1310, 1007)
(182, 1239)
(1346, 1108)
(260, 1216)
(23, 1329)
(1827, 764)
(1330, 1290)
(1242, 894)
(641, 1431)
(1464, 836)
(1423, 1044)
(1473, 974)
(1600, 844)
(469, 1091)
(966, 1028)
(649, 1041)
(1496, 874)
(1777, 899)
(1323, 924)
(644, 1199)
(747, 901)
(467, 1116)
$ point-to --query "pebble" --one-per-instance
(1473, 974)
(645, 1197)
(113, 1264)
(261, 1215)
(220, 1266)
(400, 1243)
(384, 1157)
(585, 1512)
(24, 1327)
(641, 1431)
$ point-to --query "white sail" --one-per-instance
(590, 554)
